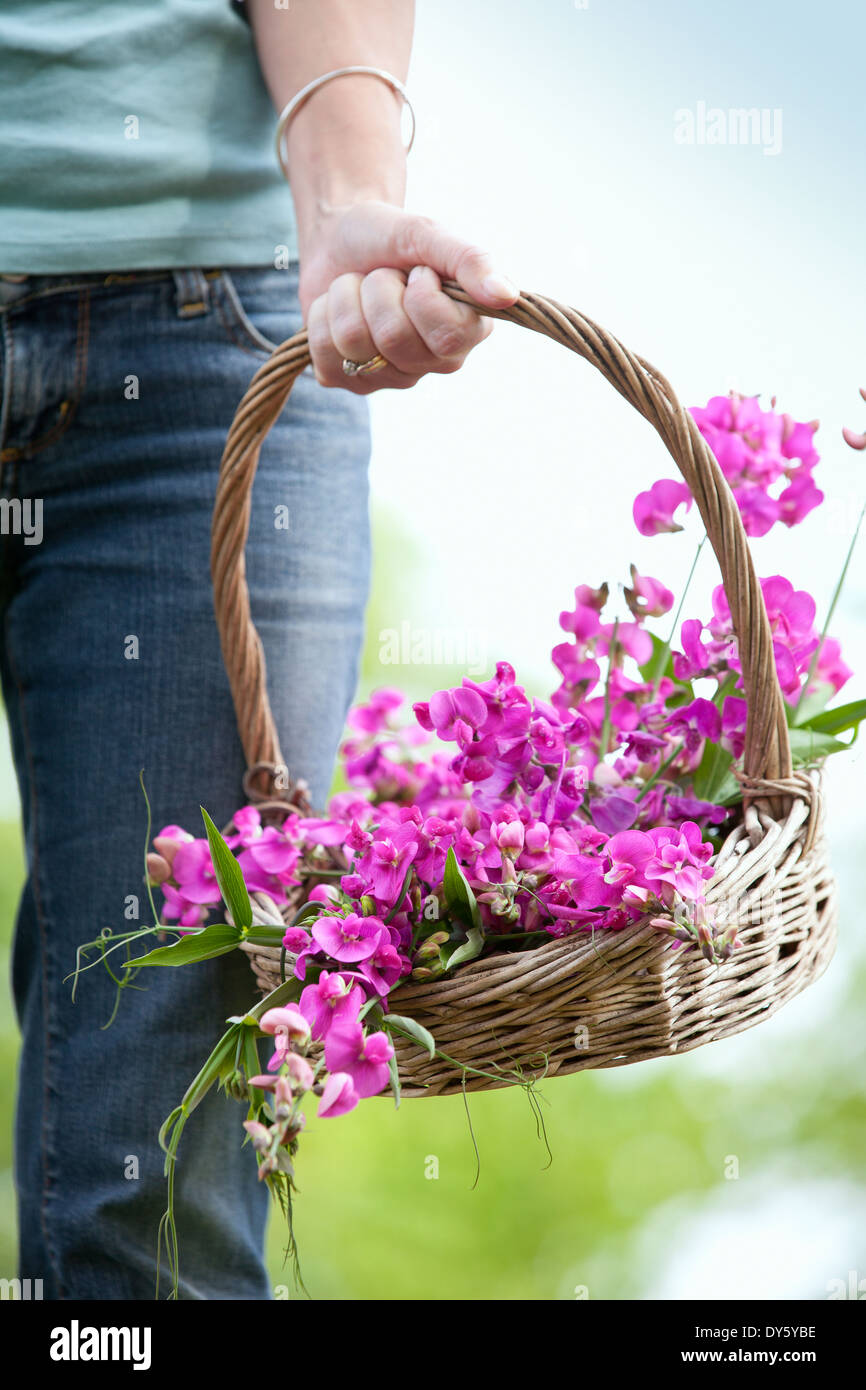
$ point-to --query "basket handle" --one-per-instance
(767, 755)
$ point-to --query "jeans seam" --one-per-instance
(259, 350)
(33, 873)
(6, 411)
(69, 407)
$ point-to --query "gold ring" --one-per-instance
(374, 364)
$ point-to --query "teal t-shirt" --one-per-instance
(136, 134)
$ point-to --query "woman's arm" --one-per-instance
(347, 170)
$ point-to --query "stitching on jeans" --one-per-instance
(229, 327)
(67, 408)
(43, 936)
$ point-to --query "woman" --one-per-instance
(139, 166)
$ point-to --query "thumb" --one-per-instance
(455, 259)
(402, 240)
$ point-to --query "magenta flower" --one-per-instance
(654, 510)
(383, 867)
(680, 861)
(648, 598)
(333, 997)
(446, 706)
(830, 667)
(177, 908)
(348, 938)
(248, 823)
(194, 872)
(690, 808)
(734, 713)
(363, 1056)
(287, 1025)
(694, 722)
(373, 716)
(338, 1096)
(384, 968)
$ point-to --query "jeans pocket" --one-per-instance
(258, 307)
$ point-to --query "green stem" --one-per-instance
(661, 660)
(605, 728)
(662, 767)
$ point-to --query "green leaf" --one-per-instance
(400, 896)
(836, 721)
(459, 897)
(215, 940)
(729, 790)
(710, 775)
(808, 706)
(809, 744)
(228, 875)
(412, 1030)
(471, 947)
(395, 1080)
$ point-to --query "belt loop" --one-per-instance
(192, 293)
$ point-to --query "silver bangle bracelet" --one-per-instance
(300, 97)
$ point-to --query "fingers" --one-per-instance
(337, 328)
(448, 330)
(406, 239)
(414, 326)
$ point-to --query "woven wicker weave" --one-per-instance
(621, 996)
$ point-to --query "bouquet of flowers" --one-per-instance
(493, 821)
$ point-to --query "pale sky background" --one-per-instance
(546, 133)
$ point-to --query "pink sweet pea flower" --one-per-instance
(286, 1025)
(194, 872)
(348, 938)
(447, 706)
(630, 637)
(648, 598)
(384, 968)
(333, 997)
(177, 908)
(248, 823)
(338, 1096)
(654, 510)
(373, 716)
(363, 1056)
(830, 666)
(694, 722)
(734, 712)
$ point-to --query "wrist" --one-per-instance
(344, 146)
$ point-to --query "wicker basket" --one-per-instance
(623, 996)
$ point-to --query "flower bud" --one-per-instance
(260, 1135)
(299, 1071)
(236, 1086)
(158, 868)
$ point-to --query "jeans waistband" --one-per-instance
(191, 284)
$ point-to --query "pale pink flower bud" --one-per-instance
(158, 868)
(299, 1070)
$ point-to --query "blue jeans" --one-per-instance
(118, 392)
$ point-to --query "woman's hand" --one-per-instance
(370, 283)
